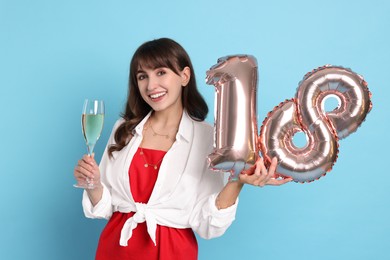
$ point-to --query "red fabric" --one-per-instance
(172, 243)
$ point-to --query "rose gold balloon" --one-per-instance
(235, 125)
(323, 129)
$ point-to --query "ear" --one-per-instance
(186, 76)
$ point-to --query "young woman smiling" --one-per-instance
(153, 182)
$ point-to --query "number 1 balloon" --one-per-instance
(235, 125)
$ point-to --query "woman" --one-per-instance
(153, 183)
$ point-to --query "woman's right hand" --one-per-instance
(87, 170)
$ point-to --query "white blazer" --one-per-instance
(185, 190)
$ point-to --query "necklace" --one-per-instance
(146, 164)
(158, 134)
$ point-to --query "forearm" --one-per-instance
(229, 194)
(95, 195)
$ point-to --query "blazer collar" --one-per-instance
(138, 129)
(185, 128)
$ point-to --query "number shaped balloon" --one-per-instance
(306, 113)
(235, 124)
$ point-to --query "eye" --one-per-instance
(141, 76)
(161, 72)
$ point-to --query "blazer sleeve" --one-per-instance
(206, 219)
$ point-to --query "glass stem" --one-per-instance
(90, 148)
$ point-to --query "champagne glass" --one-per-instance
(92, 119)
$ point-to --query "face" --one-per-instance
(161, 88)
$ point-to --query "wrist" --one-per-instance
(95, 194)
(236, 183)
(229, 194)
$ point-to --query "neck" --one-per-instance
(165, 119)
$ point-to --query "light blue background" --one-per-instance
(53, 54)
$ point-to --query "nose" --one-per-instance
(152, 83)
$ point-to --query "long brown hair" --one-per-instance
(154, 54)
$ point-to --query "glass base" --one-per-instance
(88, 186)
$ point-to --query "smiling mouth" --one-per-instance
(157, 95)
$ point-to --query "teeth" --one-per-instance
(157, 95)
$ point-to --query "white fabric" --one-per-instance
(184, 193)
(142, 214)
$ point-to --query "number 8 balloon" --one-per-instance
(235, 147)
(306, 113)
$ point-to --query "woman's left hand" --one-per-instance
(259, 175)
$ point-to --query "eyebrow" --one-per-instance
(156, 68)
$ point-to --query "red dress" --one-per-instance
(171, 243)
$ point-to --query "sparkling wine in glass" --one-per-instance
(92, 119)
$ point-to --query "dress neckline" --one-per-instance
(152, 150)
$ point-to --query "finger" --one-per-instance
(266, 173)
(78, 175)
(88, 159)
(278, 182)
(269, 173)
(90, 163)
(249, 171)
(249, 179)
(81, 172)
(95, 167)
(93, 161)
(259, 167)
(272, 167)
(260, 175)
(84, 165)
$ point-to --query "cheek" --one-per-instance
(177, 82)
(142, 87)
(142, 93)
